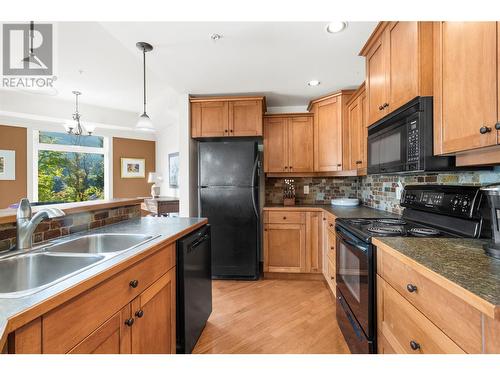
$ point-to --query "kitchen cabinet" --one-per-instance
(358, 132)
(132, 311)
(466, 102)
(420, 312)
(293, 241)
(331, 131)
(399, 66)
(288, 143)
(226, 116)
(329, 252)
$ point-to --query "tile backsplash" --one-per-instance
(376, 191)
(58, 227)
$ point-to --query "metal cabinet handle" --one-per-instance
(497, 126)
(414, 345)
(231, 130)
(139, 313)
(411, 288)
(386, 105)
(225, 130)
(332, 278)
(359, 162)
(134, 283)
(332, 248)
(129, 322)
(291, 167)
(284, 217)
(331, 225)
(286, 167)
(339, 165)
(485, 129)
(380, 107)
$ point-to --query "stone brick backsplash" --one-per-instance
(376, 191)
(59, 227)
(321, 189)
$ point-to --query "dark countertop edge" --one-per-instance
(485, 307)
(23, 317)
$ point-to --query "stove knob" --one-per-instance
(465, 203)
(455, 201)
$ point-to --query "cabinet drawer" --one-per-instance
(403, 326)
(70, 323)
(331, 279)
(454, 316)
(283, 217)
(330, 222)
(331, 245)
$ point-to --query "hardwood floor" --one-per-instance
(272, 317)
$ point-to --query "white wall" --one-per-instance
(288, 109)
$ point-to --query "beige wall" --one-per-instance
(132, 148)
(14, 138)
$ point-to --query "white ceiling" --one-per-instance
(276, 59)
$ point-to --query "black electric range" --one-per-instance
(429, 211)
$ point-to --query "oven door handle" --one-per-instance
(350, 241)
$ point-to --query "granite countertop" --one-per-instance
(358, 212)
(460, 260)
(168, 229)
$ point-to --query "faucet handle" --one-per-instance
(24, 209)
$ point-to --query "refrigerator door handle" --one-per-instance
(255, 205)
(254, 170)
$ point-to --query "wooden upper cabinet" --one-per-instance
(331, 129)
(398, 66)
(153, 330)
(288, 143)
(245, 118)
(356, 109)
(300, 144)
(376, 82)
(275, 144)
(466, 80)
(226, 116)
(210, 119)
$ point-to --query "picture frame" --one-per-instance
(173, 170)
(133, 168)
(7, 165)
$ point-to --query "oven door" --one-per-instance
(387, 149)
(355, 277)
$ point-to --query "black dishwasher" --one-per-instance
(194, 287)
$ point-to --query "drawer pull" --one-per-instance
(332, 278)
(414, 345)
(331, 225)
(484, 129)
(134, 283)
(497, 126)
(284, 217)
(139, 313)
(129, 322)
(332, 248)
(411, 288)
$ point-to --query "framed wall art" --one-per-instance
(173, 170)
(133, 168)
(7, 165)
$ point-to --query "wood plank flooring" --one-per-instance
(271, 317)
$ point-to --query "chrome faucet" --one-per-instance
(26, 224)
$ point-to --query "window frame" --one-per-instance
(105, 150)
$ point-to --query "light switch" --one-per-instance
(306, 189)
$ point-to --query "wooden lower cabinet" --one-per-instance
(131, 312)
(153, 330)
(293, 241)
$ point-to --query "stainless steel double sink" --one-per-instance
(27, 272)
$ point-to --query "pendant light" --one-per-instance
(75, 127)
(144, 122)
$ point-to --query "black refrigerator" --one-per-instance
(228, 195)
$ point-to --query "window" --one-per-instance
(69, 168)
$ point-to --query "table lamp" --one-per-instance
(154, 178)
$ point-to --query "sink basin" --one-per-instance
(25, 274)
(100, 243)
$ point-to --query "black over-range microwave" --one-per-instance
(402, 142)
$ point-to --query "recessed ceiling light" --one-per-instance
(336, 27)
(314, 82)
(215, 37)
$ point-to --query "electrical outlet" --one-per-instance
(306, 189)
(399, 190)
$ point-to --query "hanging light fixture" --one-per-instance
(75, 127)
(144, 122)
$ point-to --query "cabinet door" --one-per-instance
(284, 248)
(275, 145)
(245, 118)
(466, 96)
(314, 242)
(327, 136)
(210, 119)
(376, 82)
(358, 133)
(113, 337)
(300, 144)
(153, 331)
(401, 39)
